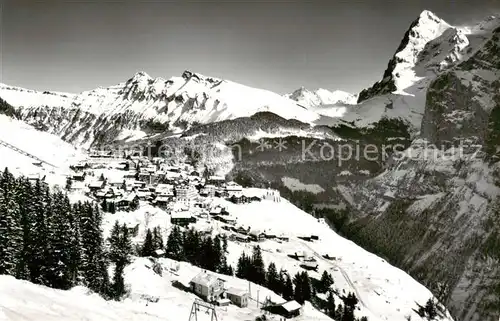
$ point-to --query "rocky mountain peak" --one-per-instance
(400, 73)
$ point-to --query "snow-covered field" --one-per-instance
(385, 292)
(57, 154)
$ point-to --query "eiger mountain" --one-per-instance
(432, 209)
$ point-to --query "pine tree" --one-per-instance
(258, 270)
(302, 287)
(350, 303)
(288, 292)
(23, 196)
(148, 245)
(157, 239)
(273, 278)
(330, 306)
(325, 282)
(38, 246)
(243, 267)
(118, 286)
(224, 243)
(94, 263)
(114, 243)
(174, 244)
(11, 237)
(69, 183)
(59, 243)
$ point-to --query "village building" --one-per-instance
(257, 236)
(238, 199)
(233, 188)
(165, 189)
(182, 218)
(185, 193)
(95, 186)
(207, 286)
(288, 309)
(216, 180)
(79, 177)
(238, 297)
(163, 201)
(208, 190)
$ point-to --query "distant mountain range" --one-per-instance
(433, 211)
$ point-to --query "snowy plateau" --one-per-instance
(420, 226)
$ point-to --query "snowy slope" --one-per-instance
(321, 96)
(56, 154)
(385, 292)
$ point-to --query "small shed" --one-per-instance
(238, 297)
(288, 309)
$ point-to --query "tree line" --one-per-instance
(47, 240)
(191, 246)
(300, 288)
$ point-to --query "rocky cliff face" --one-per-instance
(435, 210)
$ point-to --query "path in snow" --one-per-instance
(344, 273)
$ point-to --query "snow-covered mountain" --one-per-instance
(320, 97)
(430, 47)
(144, 105)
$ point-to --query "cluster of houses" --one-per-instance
(212, 288)
(161, 184)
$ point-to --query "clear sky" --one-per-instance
(278, 45)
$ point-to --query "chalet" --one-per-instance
(288, 309)
(144, 194)
(226, 219)
(216, 211)
(221, 193)
(79, 177)
(117, 183)
(164, 189)
(129, 175)
(208, 190)
(96, 185)
(238, 199)
(255, 199)
(100, 195)
(125, 203)
(270, 235)
(242, 230)
(238, 297)
(207, 286)
(182, 218)
(163, 201)
(233, 188)
(216, 180)
(309, 265)
(257, 236)
(241, 238)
